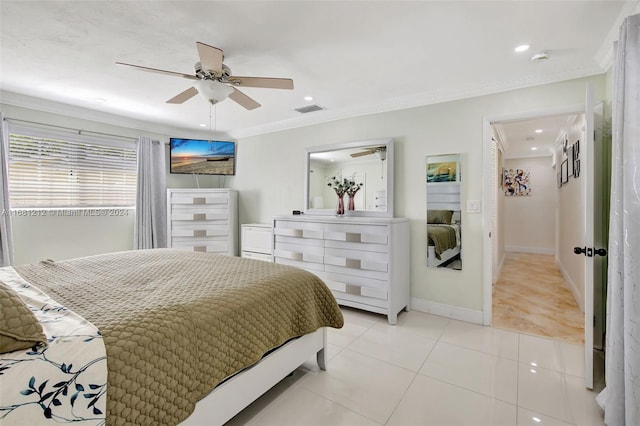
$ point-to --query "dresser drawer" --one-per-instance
(186, 198)
(355, 259)
(299, 229)
(300, 252)
(360, 286)
(353, 233)
(256, 256)
(199, 214)
(308, 266)
(199, 229)
(212, 246)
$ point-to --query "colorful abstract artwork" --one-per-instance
(516, 182)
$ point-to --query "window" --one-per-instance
(54, 169)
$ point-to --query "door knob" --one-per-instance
(600, 252)
(590, 252)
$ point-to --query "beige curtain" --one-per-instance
(150, 229)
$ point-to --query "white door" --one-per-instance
(592, 167)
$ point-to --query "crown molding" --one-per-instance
(415, 100)
(604, 55)
(52, 107)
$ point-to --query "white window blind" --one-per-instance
(50, 168)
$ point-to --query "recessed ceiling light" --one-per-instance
(533, 148)
(538, 130)
(308, 98)
(522, 48)
(203, 125)
(540, 57)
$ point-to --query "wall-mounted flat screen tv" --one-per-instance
(199, 156)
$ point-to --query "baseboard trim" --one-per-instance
(447, 311)
(534, 250)
(571, 286)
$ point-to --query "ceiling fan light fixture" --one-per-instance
(214, 91)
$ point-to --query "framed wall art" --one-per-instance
(564, 171)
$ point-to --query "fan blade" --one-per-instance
(363, 153)
(243, 99)
(184, 96)
(266, 82)
(177, 74)
(210, 58)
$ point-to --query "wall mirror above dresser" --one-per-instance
(444, 211)
(367, 163)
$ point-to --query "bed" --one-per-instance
(443, 236)
(185, 337)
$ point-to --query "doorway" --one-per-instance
(536, 282)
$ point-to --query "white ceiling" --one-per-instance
(353, 57)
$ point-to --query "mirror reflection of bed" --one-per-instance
(444, 221)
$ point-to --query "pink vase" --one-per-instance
(352, 202)
(340, 208)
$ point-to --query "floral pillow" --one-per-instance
(439, 216)
(19, 327)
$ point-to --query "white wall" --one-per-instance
(530, 221)
(275, 183)
(270, 175)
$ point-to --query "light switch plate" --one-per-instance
(473, 206)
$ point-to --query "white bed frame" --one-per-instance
(235, 394)
(433, 261)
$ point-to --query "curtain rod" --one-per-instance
(79, 131)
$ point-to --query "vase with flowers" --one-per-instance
(344, 186)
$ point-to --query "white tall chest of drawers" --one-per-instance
(203, 220)
(363, 260)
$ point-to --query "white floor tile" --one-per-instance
(481, 338)
(429, 370)
(543, 391)
(431, 402)
(365, 385)
(355, 324)
(540, 352)
(532, 418)
(476, 371)
(298, 406)
(572, 359)
(399, 345)
(583, 407)
(423, 324)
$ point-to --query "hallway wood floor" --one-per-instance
(531, 297)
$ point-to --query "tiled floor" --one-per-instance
(531, 297)
(430, 370)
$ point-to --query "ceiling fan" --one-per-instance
(380, 151)
(214, 81)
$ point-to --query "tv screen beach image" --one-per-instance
(202, 157)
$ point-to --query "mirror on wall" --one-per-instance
(444, 211)
(369, 164)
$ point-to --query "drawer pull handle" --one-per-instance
(200, 248)
(200, 233)
(200, 216)
(353, 289)
(353, 237)
(199, 200)
(353, 263)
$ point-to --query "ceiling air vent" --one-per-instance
(310, 108)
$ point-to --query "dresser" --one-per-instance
(203, 220)
(363, 260)
(256, 241)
